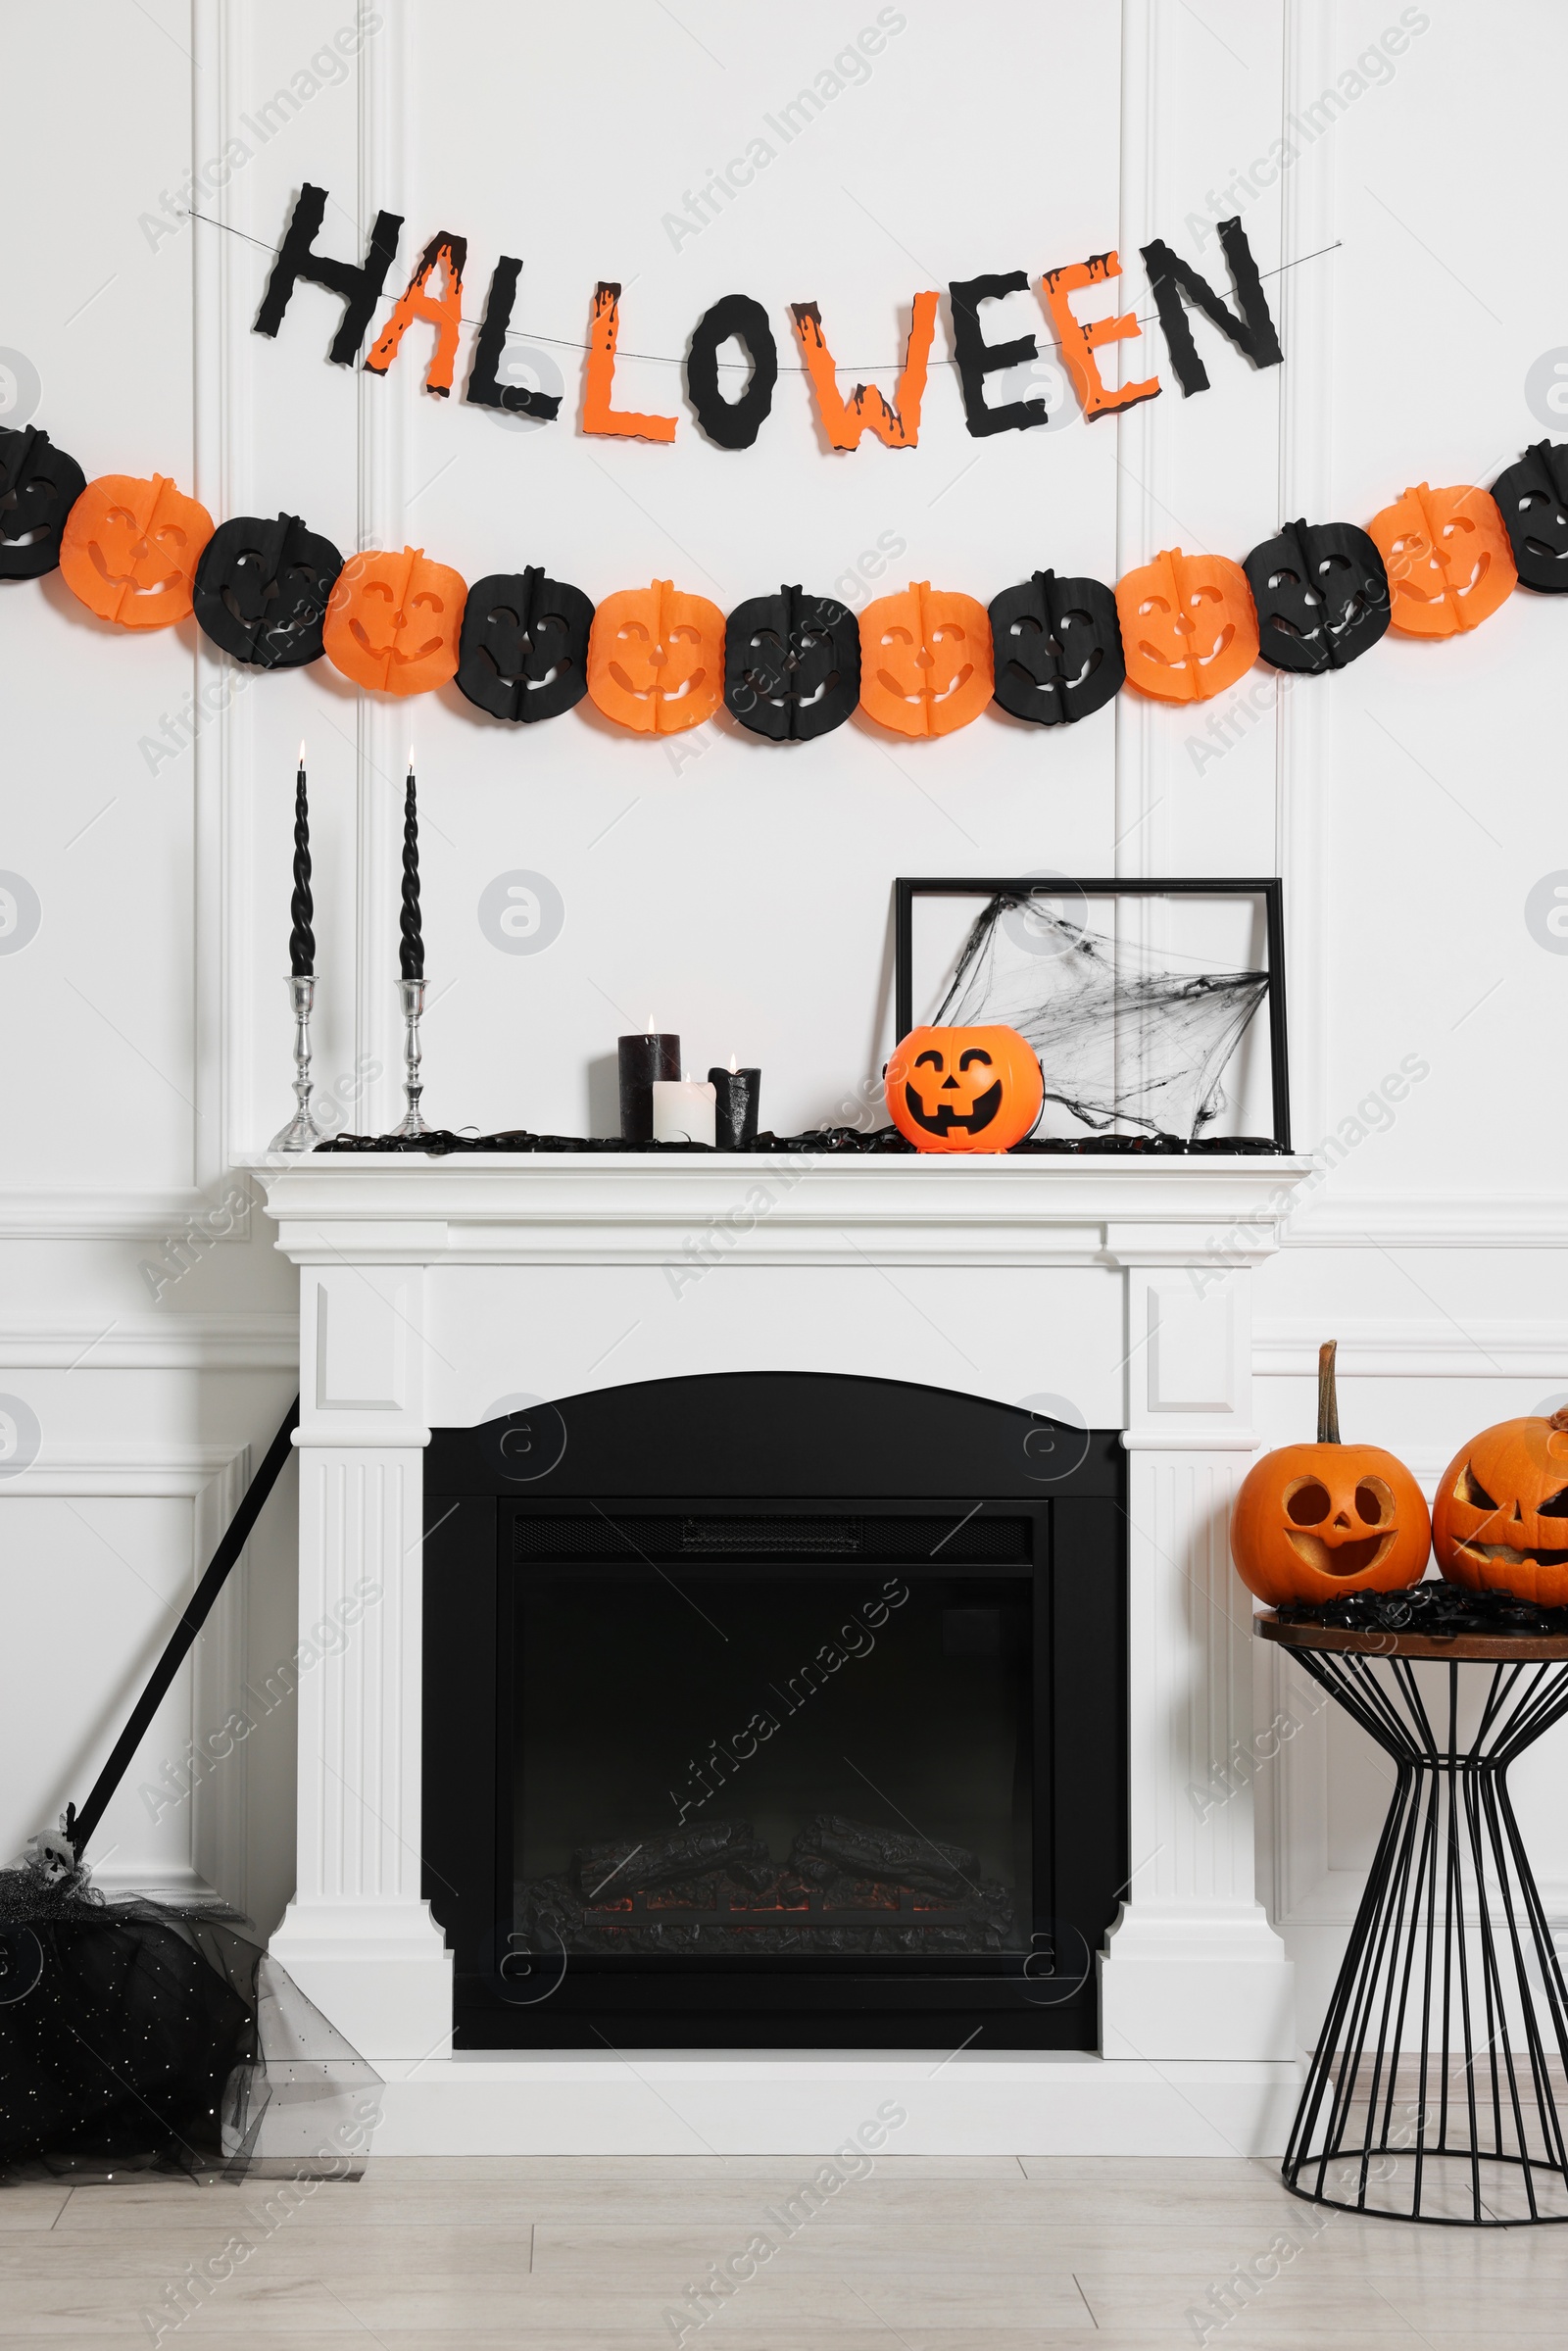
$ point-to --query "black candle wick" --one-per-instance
(412, 954)
(301, 938)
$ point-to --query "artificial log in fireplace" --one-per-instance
(774, 1709)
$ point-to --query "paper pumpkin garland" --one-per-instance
(131, 547)
(1188, 625)
(262, 588)
(39, 484)
(792, 665)
(925, 659)
(393, 621)
(655, 659)
(1532, 497)
(963, 1089)
(1056, 647)
(1321, 595)
(1449, 560)
(524, 651)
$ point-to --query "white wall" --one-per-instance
(741, 895)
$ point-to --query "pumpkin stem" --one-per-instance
(1559, 1420)
(1328, 1397)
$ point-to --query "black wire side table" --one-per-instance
(1435, 2090)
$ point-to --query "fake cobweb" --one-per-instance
(1127, 1035)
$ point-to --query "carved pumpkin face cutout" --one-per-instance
(393, 621)
(130, 548)
(964, 1090)
(655, 659)
(1321, 595)
(39, 485)
(1058, 648)
(1500, 1519)
(262, 590)
(524, 653)
(1449, 560)
(1531, 498)
(792, 665)
(1186, 625)
(925, 659)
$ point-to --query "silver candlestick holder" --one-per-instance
(302, 1133)
(412, 1124)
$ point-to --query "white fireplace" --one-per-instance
(439, 1293)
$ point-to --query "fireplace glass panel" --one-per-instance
(721, 1754)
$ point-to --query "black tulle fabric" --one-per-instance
(139, 2034)
(1442, 1611)
(845, 1140)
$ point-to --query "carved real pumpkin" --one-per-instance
(925, 659)
(964, 1090)
(129, 550)
(394, 622)
(1449, 560)
(1188, 626)
(1500, 1519)
(655, 659)
(1313, 1522)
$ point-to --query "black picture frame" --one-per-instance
(1270, 891)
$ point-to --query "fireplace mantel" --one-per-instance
(800, 1208)
(439, 1292)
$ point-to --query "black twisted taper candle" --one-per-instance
(301, 938)
(412, 953)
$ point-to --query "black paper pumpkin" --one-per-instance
(1322, 596)
(261, 590)
(792, 665)
(1531, 498)
(1056, 645)
(39, 484)
(524, 652)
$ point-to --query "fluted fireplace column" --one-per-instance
(358, 1937)
(1192, 1968)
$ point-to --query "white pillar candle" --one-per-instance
(683, 1110)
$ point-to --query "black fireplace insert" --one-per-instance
(778, 1710)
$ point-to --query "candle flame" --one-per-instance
(732, 1065)
(301, 751)
(411, 758)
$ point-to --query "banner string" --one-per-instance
(659, 359)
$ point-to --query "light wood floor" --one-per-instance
(930, 2253)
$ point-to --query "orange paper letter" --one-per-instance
(844, 421)
(599, 378)
(1081, 340)
(444, 312)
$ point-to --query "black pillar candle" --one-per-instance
(737, 1095)
(654, 1054)
(410, 956)
(301, 938)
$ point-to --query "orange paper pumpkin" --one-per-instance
(964, 1090)
(1449, 560)
(1313, 1522)
(393, 621)
(131, 547)
(1189, 626)
(655, 659)
(1500, 1519)
(925, 659)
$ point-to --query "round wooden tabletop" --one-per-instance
(1481, 1647)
